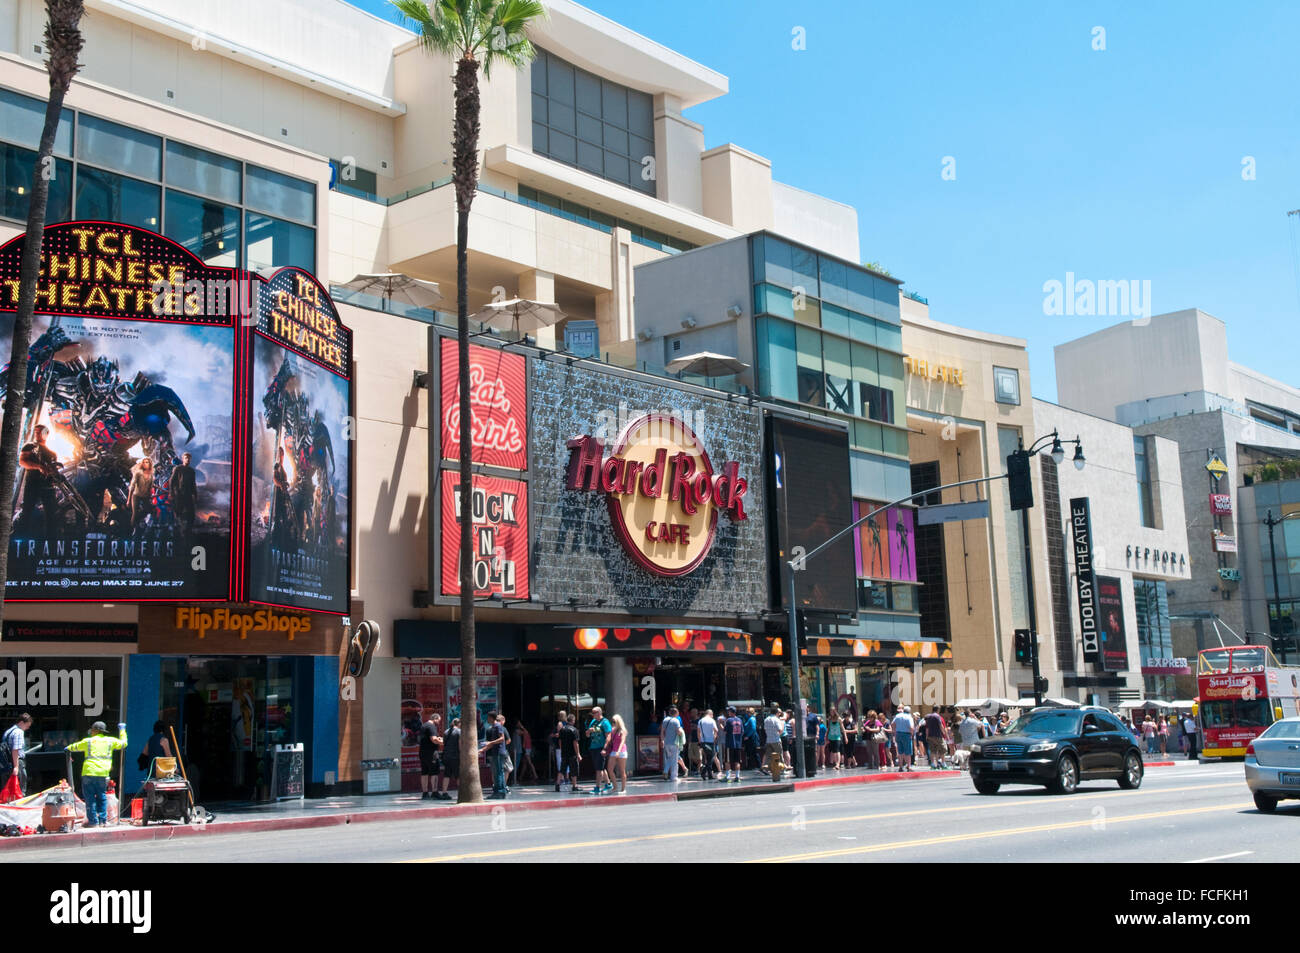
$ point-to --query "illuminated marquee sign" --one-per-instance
(148, 395)
(662, 491)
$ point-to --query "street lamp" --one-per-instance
(1022, 498)
(1275, 628)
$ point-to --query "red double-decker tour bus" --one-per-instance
(1242, 690)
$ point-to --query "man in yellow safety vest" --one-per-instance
(98, 749)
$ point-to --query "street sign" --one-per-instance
(1216, 467)
(952, 512)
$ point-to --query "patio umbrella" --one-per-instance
(707, 364)
(403, 289)
(521, 315)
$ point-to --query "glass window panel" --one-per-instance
(835, 319)
(208, 229)
(864, 364)
(1006, 385)
(589, 158)
(803, 266)
(639, 148)
(22, 118)
(564, 148)
(889, 335)
(862, 328)
(588, 93)
(895, 441)
(809, 346)
(891, 380)
(614, 103)
(273, 243)
(778, 262)
(539, 108)
(16, 168)
(616, 139)
(776, 349)
(834, 282)
(867, 436)
(204, 172)
(589, 129)
(886, 299)
(807, 310)
(617, 168)
(647, 185)
(107, 197)
(770, 300)
(862, 291)
(640, 113)
(559, 81)
(540, 144)
(841, 394)
(539, 72)
(281, 195)
(562, 118)
(118, 147)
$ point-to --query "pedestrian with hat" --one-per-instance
(95, 770)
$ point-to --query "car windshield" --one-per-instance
(1046, 723)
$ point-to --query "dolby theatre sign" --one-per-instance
(663, 493)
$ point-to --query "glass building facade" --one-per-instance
(1155, 640)
(828, 337)
(226, 211)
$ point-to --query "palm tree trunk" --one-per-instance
(63, 41)
(465, 173)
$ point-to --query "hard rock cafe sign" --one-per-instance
(663, 492)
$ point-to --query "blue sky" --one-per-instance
(1117, 164)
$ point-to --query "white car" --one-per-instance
(1273, 764)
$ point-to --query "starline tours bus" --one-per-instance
(1242, 690)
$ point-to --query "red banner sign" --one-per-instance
(498, 401)
(498, 512)
(1221, 504)
(1234, 686)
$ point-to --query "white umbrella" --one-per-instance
(1187, 703)
(520, 315)
(707, 364)
(392, 286)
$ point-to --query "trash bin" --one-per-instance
(810, 757)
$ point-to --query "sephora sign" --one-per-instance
(663, 492)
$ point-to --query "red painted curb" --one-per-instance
(873, 778)
(1160, 764)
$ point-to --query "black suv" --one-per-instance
(1057, 748)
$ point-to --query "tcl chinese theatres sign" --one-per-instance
(498, 405)
(663, 493)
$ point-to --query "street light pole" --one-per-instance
(1033, 615)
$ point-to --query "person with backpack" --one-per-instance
(834, 739)
(733, 741)
(774, 731)
(671, 739)
(598, 730)
(13, 752)
(616, 754)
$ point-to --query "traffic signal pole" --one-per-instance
(1033, 618)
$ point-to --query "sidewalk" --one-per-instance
(341, 811)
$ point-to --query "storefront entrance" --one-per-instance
(227, 710)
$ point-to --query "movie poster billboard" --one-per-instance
(300, 451)
(424, 694)
(885, 547)
(1110, 609)
(125, 463)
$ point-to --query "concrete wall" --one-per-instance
(737, 187)
(815, 220)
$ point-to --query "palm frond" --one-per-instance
(506, 40)
(438, 24)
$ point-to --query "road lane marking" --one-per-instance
(1206, 860)
(989, 804)
(982, 835)
(504, 830)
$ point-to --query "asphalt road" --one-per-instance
(1200, 813)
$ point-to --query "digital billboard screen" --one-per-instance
(810, 477)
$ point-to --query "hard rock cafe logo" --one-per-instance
(663, 493)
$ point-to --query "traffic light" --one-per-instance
(1041, 685)
(1024, 646)
(1019, 484)
(801, 620)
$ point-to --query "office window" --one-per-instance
(889, 335)
(281, 195)
(197, 170)
(592, 123)
(207, 228)
(1006, 385)
(118, 147)
(273, 243)
(108, 197)
(808, 355)
(16, 175)
(22, 118)
(891, 383)
(840, 394)
(777, 368)
(1142, 467)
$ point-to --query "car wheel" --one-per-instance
(1131, 779)
(987, 787)
(1266, 804)
(1067, 776)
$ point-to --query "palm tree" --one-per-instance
(470, 32)
(63, 42)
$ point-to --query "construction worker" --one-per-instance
(98, 749)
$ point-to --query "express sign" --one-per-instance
(662, 491)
